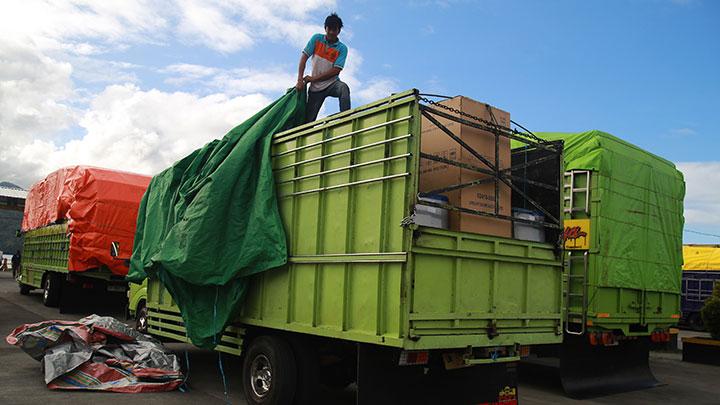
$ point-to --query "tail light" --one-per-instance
(414, 357)
(660, 336)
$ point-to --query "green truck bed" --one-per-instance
(44, 264)
(632, 255)
(46, 249)
(345, 184)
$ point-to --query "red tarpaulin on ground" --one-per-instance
(98, 353)
(100, 206)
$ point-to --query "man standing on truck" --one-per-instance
(329, 56)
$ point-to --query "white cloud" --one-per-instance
(184, 73)
(232, 25)
(94, 70)
(702, 195)
(242, 81)
(376, 88)
(683, 132)
(34, 92)
(67, 25)
(143, 131)
(51, 113)
(212, 26)
(190, 70)
(231, 81)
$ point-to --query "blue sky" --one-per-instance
(137, 84)
(645, 70)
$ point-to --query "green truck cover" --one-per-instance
(212, 219)
(639, 235)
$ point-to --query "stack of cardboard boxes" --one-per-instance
(436, 175)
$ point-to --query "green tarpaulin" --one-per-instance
(211, 220)
(639, 219)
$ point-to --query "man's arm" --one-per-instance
(330, 73)
(301, 70)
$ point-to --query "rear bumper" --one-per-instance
(431, 342)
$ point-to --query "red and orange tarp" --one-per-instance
(100, 207)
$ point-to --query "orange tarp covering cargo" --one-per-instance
(100, 207)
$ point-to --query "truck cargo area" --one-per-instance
(622, 209)
(399, 251)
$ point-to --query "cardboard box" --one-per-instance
(435, 175)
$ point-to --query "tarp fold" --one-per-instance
(99, 354)
(211, 220)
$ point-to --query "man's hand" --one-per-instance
(300, 85)
(308, 79)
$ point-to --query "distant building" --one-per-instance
(12, 205)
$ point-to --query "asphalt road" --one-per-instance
(21, 380)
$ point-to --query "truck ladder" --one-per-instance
(576, 282)
(576, 291)
(570, 197)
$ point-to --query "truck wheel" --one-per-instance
(141, 318)
(269, 373)
(24, 289)
(51, 290)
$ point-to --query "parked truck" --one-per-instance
(701, 271)
(411, 313)
(623, 220)
(70, 219)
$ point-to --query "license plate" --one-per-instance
(116, 288)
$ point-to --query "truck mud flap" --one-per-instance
(589, 371)
(382, 381)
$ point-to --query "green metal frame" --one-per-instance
(345, 183)
(46, 249)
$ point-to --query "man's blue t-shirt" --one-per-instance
(325, 56)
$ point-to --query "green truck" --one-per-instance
(45, 265)
(370, 296)
(70, 217)
(623, 219)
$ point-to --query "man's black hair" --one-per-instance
(333, 21)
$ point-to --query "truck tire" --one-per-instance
(141, 318)
(51, 290)
(269, 372)
(24, 289)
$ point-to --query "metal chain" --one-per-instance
(527, 134)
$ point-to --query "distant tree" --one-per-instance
(711, 313)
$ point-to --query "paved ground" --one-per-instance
(21, 380)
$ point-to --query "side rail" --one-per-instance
(45, 249)
(164, 320)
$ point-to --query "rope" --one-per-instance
(224, 380)
(184, 387)
(220, 363)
